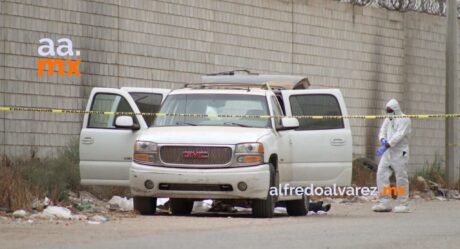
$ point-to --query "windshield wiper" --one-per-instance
(184, 123)
(236, 124)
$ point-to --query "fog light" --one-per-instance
(148, 184)
(242, 186)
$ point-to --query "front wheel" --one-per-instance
(266, 208)
(298, 207)
(145, 205)
(181, 206)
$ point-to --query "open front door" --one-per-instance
(106, 150)
(322, 148)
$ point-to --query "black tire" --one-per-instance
(145, 205)
(181, 206)
(298, 207)
(266, 208)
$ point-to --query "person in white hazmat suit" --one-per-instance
(394, 138)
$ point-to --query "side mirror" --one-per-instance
(289, 123)
(126, 122)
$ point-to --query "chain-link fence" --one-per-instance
(433, 7)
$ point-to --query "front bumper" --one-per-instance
(257, 179)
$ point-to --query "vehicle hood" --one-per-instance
(203, 134)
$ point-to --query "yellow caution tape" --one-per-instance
(76, 111)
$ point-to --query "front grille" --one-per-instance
(195, 187)
(193, 155)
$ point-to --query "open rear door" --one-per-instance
(322, 148)
(105, 150)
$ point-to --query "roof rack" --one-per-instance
(230, 80)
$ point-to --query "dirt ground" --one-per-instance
(431, 224)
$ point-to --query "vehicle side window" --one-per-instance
(316, 105)
(277, 112)
(148, 103)
(106, 102)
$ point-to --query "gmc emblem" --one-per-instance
(195, 154)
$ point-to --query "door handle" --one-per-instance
(337, 142)
(87, 140)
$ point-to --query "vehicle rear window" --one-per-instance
(316, 105)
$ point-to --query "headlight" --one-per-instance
(249, 154)
(145, 152)
(249, 148)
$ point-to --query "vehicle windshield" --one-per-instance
(209, 104)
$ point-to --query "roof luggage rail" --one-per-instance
(230, 80)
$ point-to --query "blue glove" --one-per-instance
(383, 142)
(381, 150)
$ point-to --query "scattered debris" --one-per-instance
(453, 194)
(58, 212)
(203, 206)
(39, 205)
(310, 213)
(94, 222)
(280, 210)
(440, 198)
(98, 218)
(222, 206)
(20, 213)
(243, 209)
(121, 203)
(423, 183)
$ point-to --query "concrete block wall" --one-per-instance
(371, 54)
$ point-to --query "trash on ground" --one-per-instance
(58, 212)
(440, 198)
(20, 213)
(202, 206)
(121, 203)
(98, 218)
(41, 204)
(280, 210)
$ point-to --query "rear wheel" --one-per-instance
(298, 207)
(181, 206)
(266, 208)
(145, 205)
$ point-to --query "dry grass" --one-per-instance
(15, 192)
(23, 180)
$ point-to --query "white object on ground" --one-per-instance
(320, 212)
(162, 201)
(98, 218)
(58, 212)
(94, 222)
(20, 213)
(123, 203)
(202, 206)
(280, 210)
(41, 204)
(243, 209)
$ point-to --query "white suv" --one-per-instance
(203, 155)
